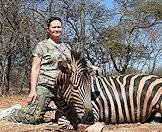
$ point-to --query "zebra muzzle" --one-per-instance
(88, 118)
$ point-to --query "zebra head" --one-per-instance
(78, 92)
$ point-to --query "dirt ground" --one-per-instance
(6, 126)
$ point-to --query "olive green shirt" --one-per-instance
(50, 54)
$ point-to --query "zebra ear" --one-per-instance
(93, 70)
(94, 95)
(76, 55)
(63, 66)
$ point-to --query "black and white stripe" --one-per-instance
(127, 98)
(120, 99)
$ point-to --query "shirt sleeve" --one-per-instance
(69, 53)
(38, 51)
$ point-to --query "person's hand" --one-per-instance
(24, 102)
(32, 96)
(97, 127)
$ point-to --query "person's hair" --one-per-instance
(52, 19)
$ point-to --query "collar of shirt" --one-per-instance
(53, 42)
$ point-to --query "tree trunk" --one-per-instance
(8, 70)
(82, 27)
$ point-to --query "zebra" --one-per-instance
(120, 99)
(67, 93)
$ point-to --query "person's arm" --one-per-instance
(34, 76)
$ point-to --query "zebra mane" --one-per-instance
(78, 60)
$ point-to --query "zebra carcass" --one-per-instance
(119, 99)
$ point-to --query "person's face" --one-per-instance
(55, 28)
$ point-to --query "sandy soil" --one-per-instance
(6, 126)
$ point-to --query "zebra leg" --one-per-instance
(161, 106)
(157, 113)
(161, 110)
(63, 123)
